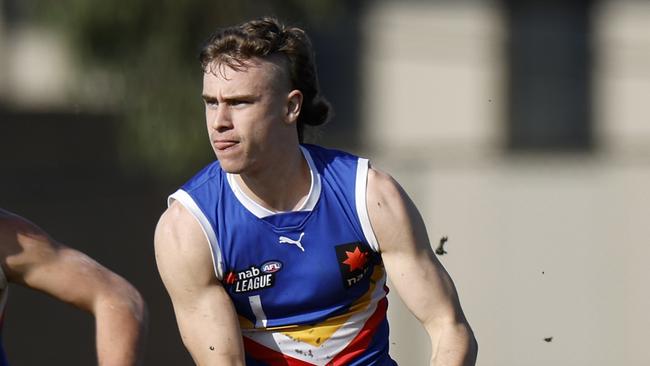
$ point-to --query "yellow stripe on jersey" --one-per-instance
(245, 323)
(319, 333)
(316, 334)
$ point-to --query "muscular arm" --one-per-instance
(420, 280)
(33, 259)
(205, 314)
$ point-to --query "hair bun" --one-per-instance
(319, 112)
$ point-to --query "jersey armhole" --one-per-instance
(188, 202)
(360, 194)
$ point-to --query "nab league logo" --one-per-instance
(354, 262)
(253, 278)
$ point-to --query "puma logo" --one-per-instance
(285, 240)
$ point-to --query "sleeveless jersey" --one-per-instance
(308, 285)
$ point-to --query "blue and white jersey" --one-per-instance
(308, 285)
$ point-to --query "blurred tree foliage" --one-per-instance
(150, 50)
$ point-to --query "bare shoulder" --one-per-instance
(383, 190)
(171, 225)
(394, 217)
(386, 199)
(182, 249)
(177, 230)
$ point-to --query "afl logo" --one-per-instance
(271, 267)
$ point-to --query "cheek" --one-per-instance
(249, 122)
(209, 117)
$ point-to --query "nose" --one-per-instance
(221, 118)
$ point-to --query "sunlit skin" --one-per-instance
(251, 115)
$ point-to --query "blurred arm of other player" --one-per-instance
(30, 257)
(416, 274)
(205, 314)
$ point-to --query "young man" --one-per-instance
(278, 253)
(29, 257)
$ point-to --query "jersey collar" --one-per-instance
(260, 211)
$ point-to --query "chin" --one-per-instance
(230, 166)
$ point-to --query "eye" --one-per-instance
(239, 103)
(211, 104)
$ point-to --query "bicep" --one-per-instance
(415, 272)
(206, 317)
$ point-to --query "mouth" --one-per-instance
(223, 145)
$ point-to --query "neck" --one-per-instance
(282, 186)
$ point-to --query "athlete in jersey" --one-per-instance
(308, 285)
(278, 253)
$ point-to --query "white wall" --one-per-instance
(540, 246)
(622, 100)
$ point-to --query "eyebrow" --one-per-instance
(210, 98)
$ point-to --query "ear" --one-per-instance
(294, 104)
